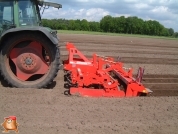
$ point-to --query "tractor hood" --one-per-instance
(48, 4)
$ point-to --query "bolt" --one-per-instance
(109, 83)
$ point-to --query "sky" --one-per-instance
(164, 11)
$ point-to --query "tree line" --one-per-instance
(129, 25)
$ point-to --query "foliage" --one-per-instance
(109, 24)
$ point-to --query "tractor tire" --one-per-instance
(29, 60)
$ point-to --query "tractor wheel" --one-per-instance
(29, 60)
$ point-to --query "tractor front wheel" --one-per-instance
(29, 60)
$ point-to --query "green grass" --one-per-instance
(114, 34)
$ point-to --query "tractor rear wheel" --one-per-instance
(29, 60)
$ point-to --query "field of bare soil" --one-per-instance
(50, 111)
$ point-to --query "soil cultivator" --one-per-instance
(100, 76)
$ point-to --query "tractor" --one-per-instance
(30, 57)
(29, 52)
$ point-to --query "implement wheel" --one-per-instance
(29, 60)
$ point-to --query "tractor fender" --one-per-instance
(50, 34)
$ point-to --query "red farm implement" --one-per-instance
(100, 76)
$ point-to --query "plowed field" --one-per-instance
(49, 111)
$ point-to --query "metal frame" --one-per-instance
(83, 73)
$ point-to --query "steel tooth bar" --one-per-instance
(86, 92)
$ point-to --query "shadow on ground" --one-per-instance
(6, 84)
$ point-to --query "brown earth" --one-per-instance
(49, 111)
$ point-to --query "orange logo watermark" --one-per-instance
(10, 124)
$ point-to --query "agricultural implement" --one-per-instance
(100, 76)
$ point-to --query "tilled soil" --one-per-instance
(159, 57)
(50, 111)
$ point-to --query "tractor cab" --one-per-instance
(20, 13)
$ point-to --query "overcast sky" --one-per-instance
(164, 11)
